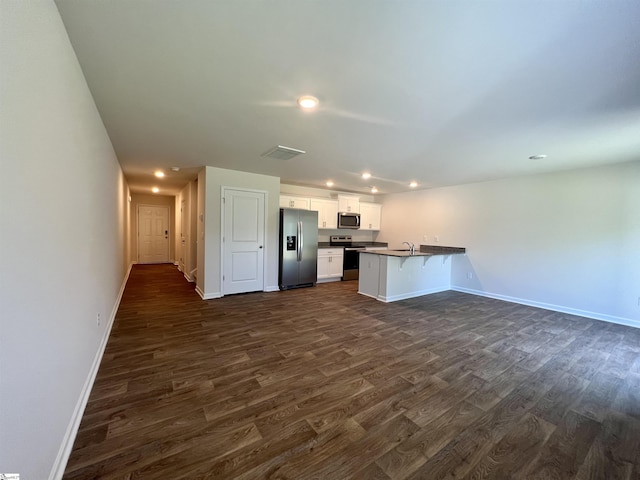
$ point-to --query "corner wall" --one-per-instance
(63, 215)
(566, 241)
(210, 183)
(186, 234)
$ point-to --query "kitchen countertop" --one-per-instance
(397, 253)
(441, 250)
(392, 275)
(424, 251)
(356, 244)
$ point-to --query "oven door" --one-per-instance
(351, 264)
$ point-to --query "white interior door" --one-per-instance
(153, 234)
(243, 241)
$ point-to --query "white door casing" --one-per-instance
(243, 236)
(153, 234)
(183, 236)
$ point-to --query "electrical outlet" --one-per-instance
(98, 318)
(436, 239)
(425, 238)
(469, 275)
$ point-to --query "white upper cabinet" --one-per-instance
(287, 201)
(327, 212)
(347, 203)
(370, 216)
(328, 209)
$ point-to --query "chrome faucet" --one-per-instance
(412, 248)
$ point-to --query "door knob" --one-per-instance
(260, 246)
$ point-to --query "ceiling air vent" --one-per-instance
(282, 153)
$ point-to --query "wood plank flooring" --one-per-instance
(323, 383)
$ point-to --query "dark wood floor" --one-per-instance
(325, 383)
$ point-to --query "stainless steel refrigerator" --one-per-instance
(298, 248)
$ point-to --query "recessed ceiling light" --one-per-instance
(366, 175)
(413, 184)
(159, 173)
(175, 169)
(329, 183)
(308, 102)
(538, 157)
(155, 189)
(374, 190)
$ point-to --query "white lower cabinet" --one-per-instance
(330, 264)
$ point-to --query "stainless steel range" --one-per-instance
(351, 262)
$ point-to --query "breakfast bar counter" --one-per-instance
(391, 275)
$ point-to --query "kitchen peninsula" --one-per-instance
(391, 275)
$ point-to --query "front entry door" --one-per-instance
(153, 234)
(243, 241)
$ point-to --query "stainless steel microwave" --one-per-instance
(349, 220)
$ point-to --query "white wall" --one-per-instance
(63, 221)
(186, 217)
(201, 210)
(210, 183)
(566, 241)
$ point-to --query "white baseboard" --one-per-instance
(404, 296)
(329, 279)
(208, 296)
(272, 288)
(556, 308)
(367, 295)
(72, 429)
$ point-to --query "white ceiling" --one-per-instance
(438, 91)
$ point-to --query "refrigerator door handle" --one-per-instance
(300, 241)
